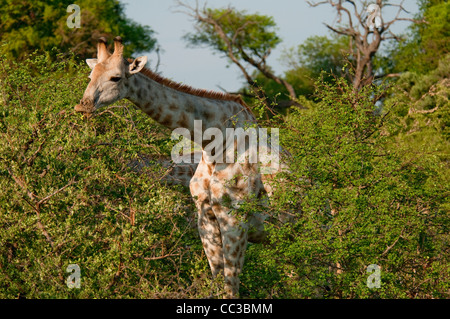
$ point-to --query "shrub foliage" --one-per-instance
(70, 195)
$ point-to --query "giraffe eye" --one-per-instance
(115, 79)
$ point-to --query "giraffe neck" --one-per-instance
(175, 109)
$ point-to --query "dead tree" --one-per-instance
(356, 21)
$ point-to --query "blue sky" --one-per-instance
(199, 67)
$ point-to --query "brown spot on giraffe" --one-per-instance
(206, 183)
(140, 93)
(167, 120)
(183, 121)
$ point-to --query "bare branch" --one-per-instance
(239, 30)
(317, 4)
(33, 205)
(181, 4)
(355, 10)
(45, 199)
(393, 244)
(31, 160)
(235, 52)
(160, 257)
(368, 42)
(347, 32)
(22, 185)
(412, 111)
(390, 75)
(340, 8)
(400, 6)
(397, 16)
(392, 36)
(204, 17)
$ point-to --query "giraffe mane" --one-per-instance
(184, 88)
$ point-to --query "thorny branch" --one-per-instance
(35, 204)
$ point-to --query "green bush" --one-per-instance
(357, 200)
(68, 195)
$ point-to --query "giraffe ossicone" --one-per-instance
(218, 187)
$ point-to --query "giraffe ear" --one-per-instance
(138, 64)
(92, 63)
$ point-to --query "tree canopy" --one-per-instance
(249, 34)
(424, 43)
(242, 37)
(42, 25)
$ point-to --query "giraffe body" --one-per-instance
(218, 187)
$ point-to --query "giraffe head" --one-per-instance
(109, 77)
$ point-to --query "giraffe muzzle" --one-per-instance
(85, 106)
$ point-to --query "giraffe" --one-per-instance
(217, 187)
(174, 173)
